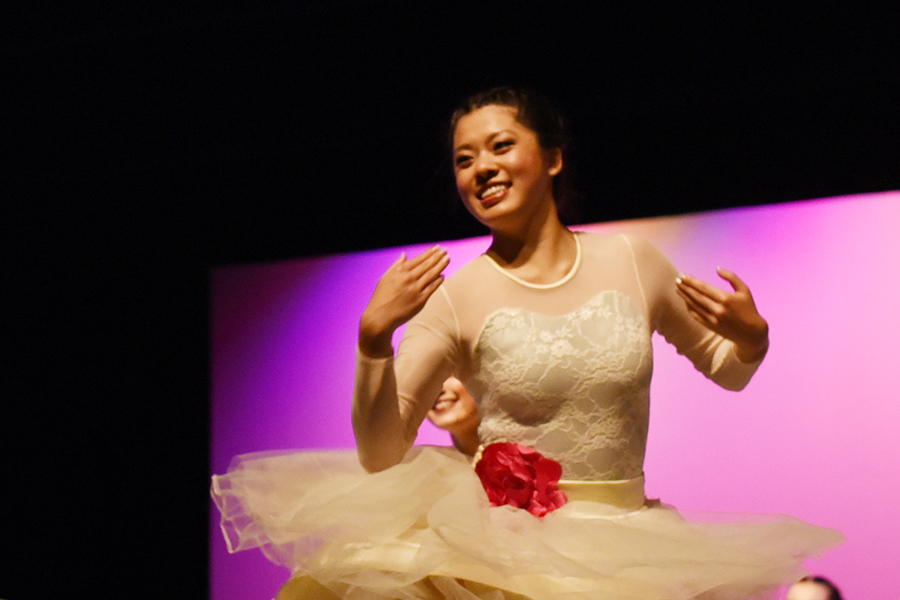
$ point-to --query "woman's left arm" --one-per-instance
(733, 315)
(721, 333)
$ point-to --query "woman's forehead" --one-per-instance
(486, 121)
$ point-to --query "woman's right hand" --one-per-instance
(400, 294)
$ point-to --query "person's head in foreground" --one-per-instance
(813, 588)
(455, 411)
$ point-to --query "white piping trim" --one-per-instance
(543, 286)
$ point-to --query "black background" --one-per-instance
(146, 145)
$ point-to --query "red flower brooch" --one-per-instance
(519, 476)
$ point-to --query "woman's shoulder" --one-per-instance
(473, 273)
(627, 250)
(459, 293)
(606, 243)
(621, 242)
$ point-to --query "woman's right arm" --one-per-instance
(384, 425)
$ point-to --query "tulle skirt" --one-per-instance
(424, 529)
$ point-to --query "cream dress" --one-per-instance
(563, 368)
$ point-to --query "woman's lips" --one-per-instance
(442, 405)
(493, 193)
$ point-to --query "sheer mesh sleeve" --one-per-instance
(392, 396)
(711, 354)
(563, 366)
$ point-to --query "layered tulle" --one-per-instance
(425, 529)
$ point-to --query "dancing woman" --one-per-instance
(550, 332)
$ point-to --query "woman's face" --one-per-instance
(501, 170)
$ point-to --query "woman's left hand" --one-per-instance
(732, 315)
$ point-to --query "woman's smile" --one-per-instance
(493, 193)
(501, 169)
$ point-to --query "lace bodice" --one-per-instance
(564, 368)
(576, 386)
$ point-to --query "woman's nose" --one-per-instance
(485, 168)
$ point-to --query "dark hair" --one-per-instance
(833, 592)
(535, 112)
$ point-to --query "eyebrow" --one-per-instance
(489, 139)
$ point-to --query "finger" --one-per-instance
(430, 288)
(698, 300)
(696, 310)
(431, 268)
(400, 260)
(428, 269)
(736, 283)
(687, 282)
(707, 320)
(439, 266)
(426, 256)
(698, 317)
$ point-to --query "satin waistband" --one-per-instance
(625, 493)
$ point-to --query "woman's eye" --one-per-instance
(462, 161)
(502, 145)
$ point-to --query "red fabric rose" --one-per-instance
(519, 476)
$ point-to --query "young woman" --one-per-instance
(550, 332)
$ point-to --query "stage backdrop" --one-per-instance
(814, 435)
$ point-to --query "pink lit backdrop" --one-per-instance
(814, 435)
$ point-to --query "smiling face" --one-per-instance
(454, 408)
(503, 175)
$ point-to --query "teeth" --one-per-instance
(494, 189)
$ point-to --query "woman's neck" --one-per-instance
(541, 254)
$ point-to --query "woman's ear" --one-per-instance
(554, 162)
